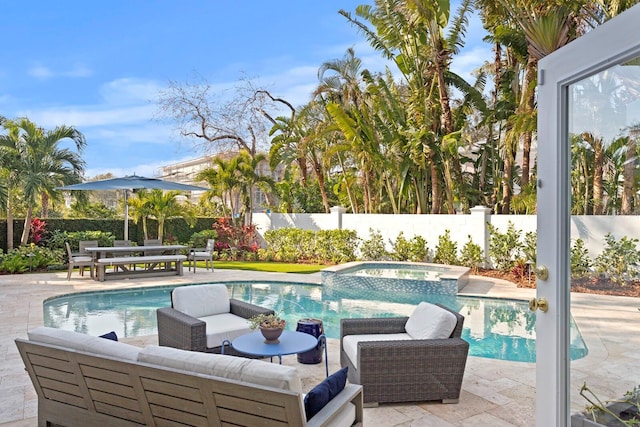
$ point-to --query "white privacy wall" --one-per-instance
(590, 228)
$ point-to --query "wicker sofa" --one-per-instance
(393, 367)
(201, 317)
(82, 380)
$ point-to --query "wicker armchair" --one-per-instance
(184, 331)
(405, 370)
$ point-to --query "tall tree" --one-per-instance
(162, 205)
(37, 164)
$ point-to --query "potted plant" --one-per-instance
(271, 326)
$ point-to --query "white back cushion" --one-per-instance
(201, 300)
(231, 367)
(428, 321)
(82, 342)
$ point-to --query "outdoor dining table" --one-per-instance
(100, 256)
(103, 251)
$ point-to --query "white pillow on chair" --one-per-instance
(201, 300)
(428, 321)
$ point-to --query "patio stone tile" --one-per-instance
(484, 420)
(469, 405)
(385, 416)
(495, 393)
(521, 414)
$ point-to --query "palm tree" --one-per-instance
(224, 183)
(249, 179)
(162, 205)
(38, 165)
(140, 209)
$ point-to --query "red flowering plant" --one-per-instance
(235, 238)
(37, 231)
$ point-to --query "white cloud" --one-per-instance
(465, 63)
(130, 91)
(40, 72)
(143, 132)
(43, 72)
(86, 116)
(78, 71)
(142, 169)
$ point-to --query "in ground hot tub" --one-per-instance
(411, 277)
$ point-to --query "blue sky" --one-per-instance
(99, 65)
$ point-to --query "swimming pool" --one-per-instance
(494, 328)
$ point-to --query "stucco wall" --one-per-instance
(591, 228)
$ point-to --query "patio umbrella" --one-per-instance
(127, 183)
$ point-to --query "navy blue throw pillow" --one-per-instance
(321, 394)
(110, 336)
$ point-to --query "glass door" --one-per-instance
(588, 205)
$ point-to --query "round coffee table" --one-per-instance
(290, 342)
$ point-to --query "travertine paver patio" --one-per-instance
(495, 393)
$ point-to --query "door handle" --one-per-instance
(539, 304)
(542, 272)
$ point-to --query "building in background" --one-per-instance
(186, 172)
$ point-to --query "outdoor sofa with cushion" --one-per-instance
(201, 317)
(83, 380)
(406, 359)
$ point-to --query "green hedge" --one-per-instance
(175, 229)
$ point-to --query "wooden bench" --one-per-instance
(76, 388)
(152, 265)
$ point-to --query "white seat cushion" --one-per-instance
(81, 259)
(224, 326)
(82, 342)
(350, 343)
(231, 367)
(201, 300)
(428, 321)
(202, 254)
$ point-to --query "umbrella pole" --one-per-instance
(126, 214)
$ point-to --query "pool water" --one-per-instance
(494, 328)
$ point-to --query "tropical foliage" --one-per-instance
(417, 137)
(413, 138)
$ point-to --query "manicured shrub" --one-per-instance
(324, 246)
(401, 248)
(30, 257)
(418, 250)
(580, 261)
(446, 250)
(373, 248)
(199, 239)
(504, 248)
(57, 238)
(530, 246)
(471, 255)
(617, 257)
(336, 246)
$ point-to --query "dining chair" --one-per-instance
(83, 244)
(202, 254)
(80, 261)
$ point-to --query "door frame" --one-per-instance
(610, 44)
